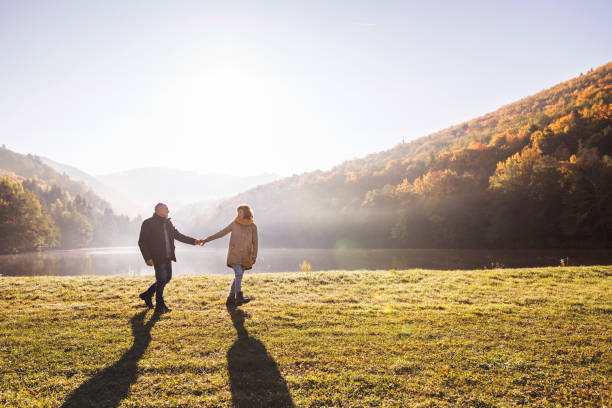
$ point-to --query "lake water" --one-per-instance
(127, 261)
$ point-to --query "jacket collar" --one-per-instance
(160, 219)
(244, 221)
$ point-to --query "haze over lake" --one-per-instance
(127, 261)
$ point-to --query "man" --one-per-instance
(156, 242)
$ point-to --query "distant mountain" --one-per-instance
(186, 216)
(120, 203)
(534, 173)
(178, 188)
(135, 192)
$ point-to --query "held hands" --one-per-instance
(199, 242)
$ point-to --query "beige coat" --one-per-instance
(242, 245)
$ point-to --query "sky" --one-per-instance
(281, 87)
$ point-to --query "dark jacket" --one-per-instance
(152, 241)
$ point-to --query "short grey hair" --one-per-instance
(159, 205)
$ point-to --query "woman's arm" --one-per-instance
(255, 241)
(220, 234)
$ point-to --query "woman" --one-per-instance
(242, 251)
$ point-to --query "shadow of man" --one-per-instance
(107, 388)
(255, 379)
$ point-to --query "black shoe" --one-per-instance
(162, 308)
(241, 300)
(147, 299)
(230, 301)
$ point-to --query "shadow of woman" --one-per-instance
(255, 379)
(107, 388)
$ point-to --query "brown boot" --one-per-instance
(241, 300)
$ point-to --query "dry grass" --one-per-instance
(505, 337)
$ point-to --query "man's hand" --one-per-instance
(149, 262)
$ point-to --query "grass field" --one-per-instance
(504, 337)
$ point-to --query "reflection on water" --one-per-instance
(127, 261)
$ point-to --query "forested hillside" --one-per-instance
(120, 203)
(41, 208)
(535, 173)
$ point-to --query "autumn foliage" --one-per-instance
(535, 173)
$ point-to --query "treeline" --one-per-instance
(36, 216)
(40, 208)
(536, 173)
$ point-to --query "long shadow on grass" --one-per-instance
(254, 375)
(107, 388)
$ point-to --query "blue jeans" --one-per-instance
(163, 274)
(237, 283)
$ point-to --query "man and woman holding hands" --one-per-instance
(156, 242)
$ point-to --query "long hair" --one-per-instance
(246, 210)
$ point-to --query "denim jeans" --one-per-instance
(237, 283)
(163, 274)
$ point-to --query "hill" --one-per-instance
(533, 173)
(44, 209)
(119, 202)
(178, 188)
(23, 167)
(129, 192)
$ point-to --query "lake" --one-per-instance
(127, 261)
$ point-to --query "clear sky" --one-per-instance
(272, 86)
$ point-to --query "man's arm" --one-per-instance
(183, 238)
(142, 243)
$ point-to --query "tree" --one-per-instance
(526, 200)
(76, 230)
(587, 182)
(23, 226)
(529, 173)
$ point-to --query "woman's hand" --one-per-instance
(253, 259)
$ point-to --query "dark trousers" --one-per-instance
(163, 274)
